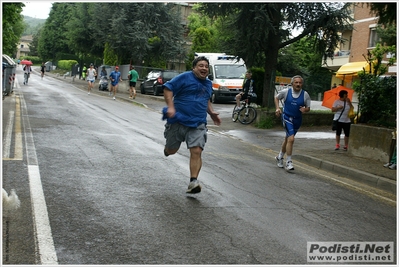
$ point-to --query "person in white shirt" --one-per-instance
(91, 77)
(27, 71)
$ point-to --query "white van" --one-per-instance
(227, 75)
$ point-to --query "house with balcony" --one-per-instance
(23, 46)
(350, 56)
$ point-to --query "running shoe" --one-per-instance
(392, 166)
(289, 166)
(345, 148)
(280, 162)
(114, 98)
(336, 147)
(386, 165)
(193, 187)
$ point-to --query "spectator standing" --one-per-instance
(115, 77)
(341, 108)
(188, 101)
(84, 70)
(133, 76)
(296, 102)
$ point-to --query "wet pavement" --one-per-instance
(313, 145)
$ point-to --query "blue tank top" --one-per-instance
(292, 105)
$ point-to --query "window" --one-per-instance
(22, 46)
(373, 37)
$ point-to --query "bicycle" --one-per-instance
(246, 114)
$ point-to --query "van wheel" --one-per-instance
(214, 99)
(142, 91)
(156, 93)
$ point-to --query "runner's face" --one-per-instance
(201, 70)
(297, 84)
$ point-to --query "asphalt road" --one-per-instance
(95, 188)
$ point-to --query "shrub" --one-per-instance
(66, 64)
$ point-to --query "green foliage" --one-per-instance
(257, 31)
(267, 122)
(35, 60)
(32, 25)
(65, 56)
(53, 38)
(376, 93)
(66, 64)
(12, 27)
(377, 99)
(110, 58)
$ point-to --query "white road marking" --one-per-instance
(44, 239)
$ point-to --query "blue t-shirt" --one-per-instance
(115, 75)
(191, 97)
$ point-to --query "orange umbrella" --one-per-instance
(331, 95)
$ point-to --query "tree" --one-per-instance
(13, 27)
(260, 30)
(386, 12)
(139, 31)
(53, 37)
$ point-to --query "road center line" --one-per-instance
(42, 230)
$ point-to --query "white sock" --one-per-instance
(280, 155)
(289, 158)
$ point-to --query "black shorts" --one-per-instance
(132, 84)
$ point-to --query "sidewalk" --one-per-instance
(314, 152)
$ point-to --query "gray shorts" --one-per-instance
(177, 133)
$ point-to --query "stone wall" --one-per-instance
(364, 141)
(370, 142)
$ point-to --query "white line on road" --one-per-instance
(8, 136)
(44, 239)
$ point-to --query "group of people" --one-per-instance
(187, 97)
(115, 77)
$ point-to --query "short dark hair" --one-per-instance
(197, 59)
(342, 93)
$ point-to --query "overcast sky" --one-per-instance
(37, 9)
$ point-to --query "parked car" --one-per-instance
(153, 82)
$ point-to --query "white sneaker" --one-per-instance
(114, 98)
(280, 162)
(289, 166)
(194, 187)
(386, 165)
(392, 166)
(88, 93)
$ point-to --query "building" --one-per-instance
(23, 46)
(350, 57)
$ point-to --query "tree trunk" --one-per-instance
(270, 72)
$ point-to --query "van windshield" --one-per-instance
(230, 71)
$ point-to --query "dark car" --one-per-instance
(153, 82)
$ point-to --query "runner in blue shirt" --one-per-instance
(115, 77)
(188, 101)
(296, 102)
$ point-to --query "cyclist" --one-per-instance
(248, 87)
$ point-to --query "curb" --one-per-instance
(356, 175)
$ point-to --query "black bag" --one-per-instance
(334, 125)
